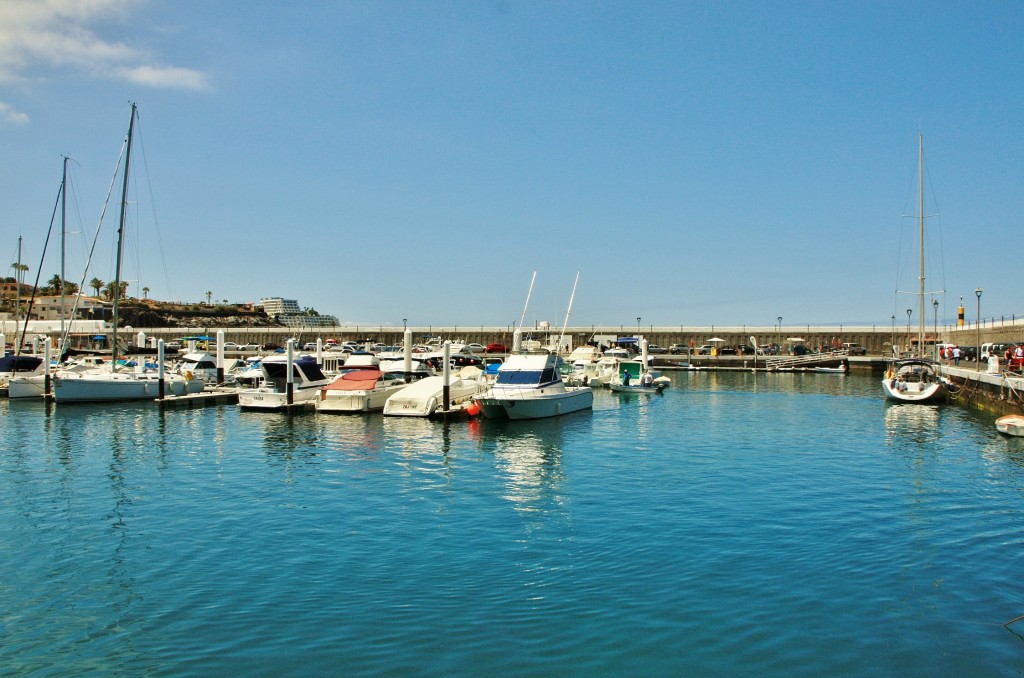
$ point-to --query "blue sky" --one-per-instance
(699, 163)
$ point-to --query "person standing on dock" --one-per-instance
(956, 356)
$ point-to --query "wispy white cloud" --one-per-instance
(10, 116)
(58, 34)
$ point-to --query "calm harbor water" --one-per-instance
(790, 525)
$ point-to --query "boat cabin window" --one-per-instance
(526, 377)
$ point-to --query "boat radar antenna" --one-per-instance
(568, 311)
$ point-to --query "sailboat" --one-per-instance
(917, 379)
(117, 382)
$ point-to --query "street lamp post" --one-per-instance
(779, 336)
(638, 319)
(977, 355)
(935, 339)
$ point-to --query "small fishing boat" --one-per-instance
(1011, 425)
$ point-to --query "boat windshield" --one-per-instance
(526, 377)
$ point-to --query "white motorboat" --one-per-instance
(275, 393)
(529, 387)
(1011, 425)
(915, 380)
(425, 397)
(359, 390)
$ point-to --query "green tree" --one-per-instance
(145, 292)
(209, 295)
(96, 284)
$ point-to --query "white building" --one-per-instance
(289, 313)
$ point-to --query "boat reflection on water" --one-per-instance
(911, 422)
(528, 458)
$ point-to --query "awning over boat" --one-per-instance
(356, 380)
(626, 340)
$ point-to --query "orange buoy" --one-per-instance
(473, 409)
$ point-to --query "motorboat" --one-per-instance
(529, 386)
(359, 390)
(1011, 425)
(915, 380)
(424, 397)
(273, 391)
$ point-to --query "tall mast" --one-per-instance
(920, 307)
(120, 237)
(63, 224)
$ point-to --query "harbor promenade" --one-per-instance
(876, 339)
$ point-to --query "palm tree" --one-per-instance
(96, 284)
(19, 272)
(145, 292)
(209, 295)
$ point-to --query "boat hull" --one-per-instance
(648, 390)
(271, 400)
(93, 388)
(537, 405)
(354, 402)
(424, 397)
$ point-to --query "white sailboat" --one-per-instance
(117, 382)
(917, 379)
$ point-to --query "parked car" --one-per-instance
(854, 348)
(676, 349)
(496, 348)
(231, 346)
(249, 347)
(654, 349)
(309, 346)
(475, 348)
(705, 349)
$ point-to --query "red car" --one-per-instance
(496, 348)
